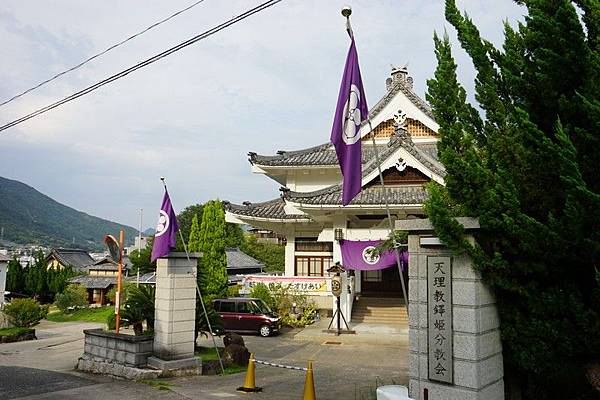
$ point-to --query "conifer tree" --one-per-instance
(527, 170)
(15, 277)
(194, 240)
(213, 264)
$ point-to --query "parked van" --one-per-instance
(247, 315)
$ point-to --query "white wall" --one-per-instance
(3, 268)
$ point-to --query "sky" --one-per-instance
(267, 83)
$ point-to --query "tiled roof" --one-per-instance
(95, 282)
(76, 258)
(430, 149)
(237, 259)
(149, 278)
(4, 258)
(321, 155)
(106, 264)
(272, 209)
(374, 195)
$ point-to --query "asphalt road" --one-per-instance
(43, 369)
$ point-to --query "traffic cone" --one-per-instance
(249, 382)
(309, 384)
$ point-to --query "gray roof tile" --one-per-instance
(95, 282)
(237, 259)
(272, 209)
(374, 195)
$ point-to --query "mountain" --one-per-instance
(28, 216)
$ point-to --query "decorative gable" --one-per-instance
(416, 128)
(382, 131)
(409, 176)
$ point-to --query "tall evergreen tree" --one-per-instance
(15, 277)
(194, 240)
(527, 171)
(213, 264)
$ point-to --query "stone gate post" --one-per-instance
(175, 312)
(455, 349)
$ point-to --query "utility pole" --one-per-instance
(139, 244)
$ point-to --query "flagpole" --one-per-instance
(346, 12)
(162, 178)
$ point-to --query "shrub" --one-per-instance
(126, 287)
(295, 308)
(74, 296)
(261, 291)
(233, 291)
(25, 313)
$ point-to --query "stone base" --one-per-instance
(114, 369)
(180, 367)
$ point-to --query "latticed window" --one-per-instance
(313, 265)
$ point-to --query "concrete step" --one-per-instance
(380, 321)
(380, 314)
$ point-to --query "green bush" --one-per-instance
(111, 322)
(125, 289)
(25, 313)
(261, 291)
(294, 308)
(74, 296)
(233, 291)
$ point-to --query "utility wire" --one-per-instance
(142, 64)
(114, 46)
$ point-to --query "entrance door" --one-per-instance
(382, 283)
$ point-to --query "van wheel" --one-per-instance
(265, 331)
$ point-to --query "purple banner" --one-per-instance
(166, 230)
(357, 255)
(350, 112)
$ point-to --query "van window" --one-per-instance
(216, 305)
(244, 307)
(227, 306)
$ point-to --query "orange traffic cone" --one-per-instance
(309, 384)
(249, 382)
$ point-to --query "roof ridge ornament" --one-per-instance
(400, 119)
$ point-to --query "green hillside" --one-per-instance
(29, 216)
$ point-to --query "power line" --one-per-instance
(114, 46)
(142, 64)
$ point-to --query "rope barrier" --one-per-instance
(280, 365)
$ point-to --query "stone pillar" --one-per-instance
(471, 365)
(175, 312)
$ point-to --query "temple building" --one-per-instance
(309, 212)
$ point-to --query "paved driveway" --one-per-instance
(43, 369)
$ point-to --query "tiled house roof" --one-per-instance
(272, 209)
(374, 195)
(321, 155)
(237, 259)
(75, 258)
(95, 282)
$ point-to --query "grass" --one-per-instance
(14, 331)
(210, 354)
(99, 314)
(158, 384)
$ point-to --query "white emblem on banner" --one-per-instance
(163, 223)
(370, 255)
(352, 117)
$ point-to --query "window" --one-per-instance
(244, 307)
(227, 306)
(313, 265)
(311, 244)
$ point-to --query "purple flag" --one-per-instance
(357, 255)
(345, 135)
(165, 238)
